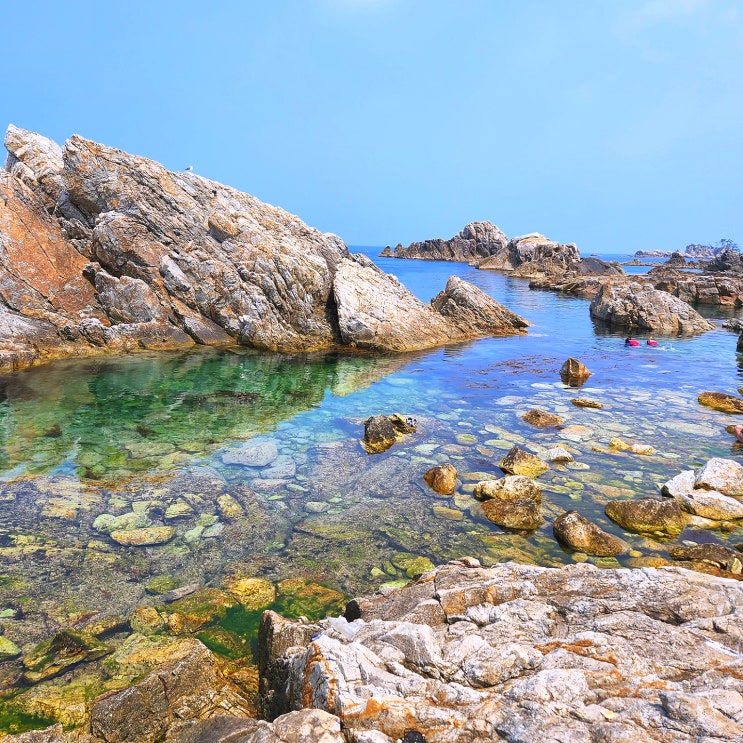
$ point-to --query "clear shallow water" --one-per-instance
(152, 436)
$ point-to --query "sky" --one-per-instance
(614, 124)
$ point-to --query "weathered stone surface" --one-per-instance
(533, 255)
(559, 455)
(717, 554)
(254, 453)
(723, 475)
(721, 401)
(475, 313)
(303, 726)
(189, 688)
(442, 478)
(577, 532)
(520, 462)
(510, 487)
(59, 653)
(522, 514)
(638, 307)
(648, 515)
(135, 256)
(573, 373)
(541, 418)
(710, 504)
(143, 537)
(529, 654)
(476, 241)
(252, 593)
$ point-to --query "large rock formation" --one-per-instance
(521, 653)
(104, 250)
(638, 307)
(476, 241)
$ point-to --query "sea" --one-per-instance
(249, 465)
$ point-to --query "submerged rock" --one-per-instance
(578, 533)
(510, 487)
(144, 537)
(61, 652)
(585, 402)
(649, 515)
(541, 418)
(442, 479)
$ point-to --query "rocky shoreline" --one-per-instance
(105, 251)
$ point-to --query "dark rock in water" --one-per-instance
(721, 401)
(577, 532)
(717, 554)
(648, 515)
(54, 432)
(574, 373)
(379, 434)
(522, 514)
(734, 324)
(676, 260)
(728, 261)
(442, 479)
(541, 418)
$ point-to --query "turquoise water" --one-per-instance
(154, 439)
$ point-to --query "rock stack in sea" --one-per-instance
(102, 250)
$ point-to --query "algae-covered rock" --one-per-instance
(107, 522)
(146, 620)
(511, 487)
(252, 593)
(229, 508)
(412, 565)
(578, 533)
(8, 649)
(721, 401)
(160, 584)
(297, 597)
(442, 479)
(523, 514)
(145, 537)
(648, 515)
(198, 609)
(60, 652)
(449, 514)
(541, 418)
(520, 462)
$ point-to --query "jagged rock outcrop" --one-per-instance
(529, 654)
(638, 307)
(727, 261)
(476, 241)
(102, 250)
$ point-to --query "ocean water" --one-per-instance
(250, 464)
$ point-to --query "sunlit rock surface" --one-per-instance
(102, 250)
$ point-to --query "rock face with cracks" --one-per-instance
(525, 654)
(102, 250)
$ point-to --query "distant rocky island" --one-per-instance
(105, 251)
(693, 252)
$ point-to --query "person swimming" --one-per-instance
(651, 341)
(631, 342)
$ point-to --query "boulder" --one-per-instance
(649, 515)
(379, 434)
(584, 402)
(522, 514)
(559, 455)
(541, 418)
(639, 307)
(525, 653)
(578, 533)
(723, 475)
(442, 479)
(710, 504)
(533, 255)
(520, 462)
(511, 487)
(475, 313)
(721, 401)
(573, 373)
(717, 554)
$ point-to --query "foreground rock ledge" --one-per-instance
(105, 251)
(522, 653)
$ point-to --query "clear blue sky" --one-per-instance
(617, 125)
